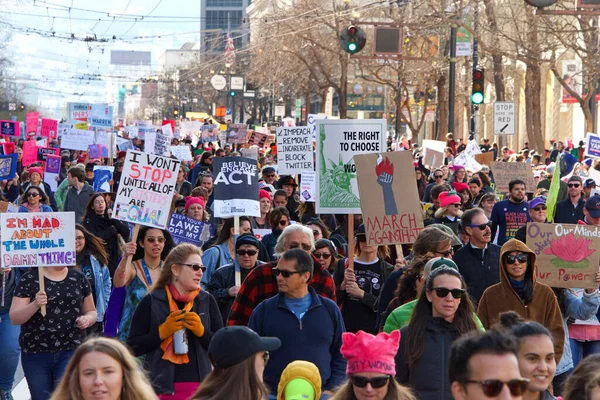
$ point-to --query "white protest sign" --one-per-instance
(167, 130)
(150, 141)
(77, 139)
(294, 150)
(146, 189)
(308, 186)
(472, 149)
(162, 145)
(190, 128)
(312, 124)
(468, 162)
(505, 118)
(38, 239)
(182, 153)
(252, 153)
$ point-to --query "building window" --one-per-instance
(224, 3)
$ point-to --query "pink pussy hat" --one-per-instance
(367, 353)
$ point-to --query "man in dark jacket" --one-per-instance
(570, 210)
(479, 260)
(79, 193)
(309, 326)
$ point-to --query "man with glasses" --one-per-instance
(588, 186)
(269, 175)
(261, 283)
(478, 260)
(537, 213)
(484, 366)
(309, 326)
(511, 214)
(438, 179)
(570, 210)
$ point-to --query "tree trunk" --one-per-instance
(533, 105)
(343, 90)
(323, 94)
(442, 90)
(499, 77)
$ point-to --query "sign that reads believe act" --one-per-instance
(236, 187)
(294, 150)
(146, 189)
(38, 239)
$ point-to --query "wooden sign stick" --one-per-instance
(42, 289)
(236, 231)
(350, 254)
(136, 230)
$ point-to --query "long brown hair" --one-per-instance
(94, 245)
(583, 380)
(177, 256)
(237, 382)
(135, 384)
(395, 392)
(463, 318)
(429, 240)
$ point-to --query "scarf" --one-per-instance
(167, 344)
(519, 287)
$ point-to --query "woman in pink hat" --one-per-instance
(194, 208)
(450, 210)
(371, 368)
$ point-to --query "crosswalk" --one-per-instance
(21, 391)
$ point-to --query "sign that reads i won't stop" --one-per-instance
(505, 118)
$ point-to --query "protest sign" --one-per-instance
(49, 128)
(102, 176)
(167, 130)
(338, 141)
(7, 148)
(485, 158)
(106, 139)
(258, 139)
(81, 126)
(10, 128)
(162, 144)
(261, 233)
(504, 172)
(29, 152)
(236, 187)
(171, 122)
(567, 256)
(38, 239)
(190, 128)
(43, 142)
(78, 111)
(390, 202)
(101, 116)
(472, 149)
(144, 130)
(31, 122)
(77, 139)
(44, 152)
(308, 186)
(294, 150)
(98, 151)
(150, 141)
(312, 124)
(252, 152)
(132, 131)
(210, 133)
(146, 189)
(236, 133)
(187, 230)
(182, 153)
(467, 161)
(8, 166)
(433, 152)
(592, 145)
(52, 171)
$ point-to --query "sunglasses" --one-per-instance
(284, 273)
(270, 175)
(493, 387)
(539, 208)
(442, 292)
(196, 267)
(438, 176)
(573, 185)
(305, 247)
(325, 256)
(445, 253)
(521, 258)
(457, 205)
(481, 226)
(246, 252)
(316, 233)
(33, 194)
(283, 222)
(153, 239)
(376, 383)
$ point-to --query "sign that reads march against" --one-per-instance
(37, 239)
(338, 141)
(236, 187)
(294, 150)
(146, 189)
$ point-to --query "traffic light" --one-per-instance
(22, 107)
(478, 86)
(353, 39)
(176, 111)
(232, 93)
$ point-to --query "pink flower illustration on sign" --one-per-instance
(570, 252)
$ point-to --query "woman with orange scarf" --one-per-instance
(173, 325)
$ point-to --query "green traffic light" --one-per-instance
(477, 98)
(232, 93)
(352, 47)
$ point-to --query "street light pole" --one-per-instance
(451, 80)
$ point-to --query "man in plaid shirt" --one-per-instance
(261, 284)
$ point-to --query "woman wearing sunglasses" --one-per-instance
(535, 355)
(325, 252)
(519, 291)
(174, 324)
(450, 210)
(222, 282)
(34, 200)
(371, 368)
(442, 314)
(153, 246)
(279, 219)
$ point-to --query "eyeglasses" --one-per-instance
(284, 273)
(153, 239)
(457, 205)
(521, 258)
(270, 175)
(265, 357)
(324, 256)
(573, 185)
(305, 247)
(442, 292)
(33, 194)
(196, 267)
(539, 208)
(283, 222)
(248, 252)
(376, 383)
(316, 233)
(493, 387)
(481, 226)
(438, 176)
(79, 238)
(446, 253)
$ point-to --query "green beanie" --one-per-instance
(299, 389)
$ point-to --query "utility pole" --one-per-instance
(451, 79)
(475, 107)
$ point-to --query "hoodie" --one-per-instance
(502, 297)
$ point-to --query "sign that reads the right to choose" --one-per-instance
(294, 150)
(338, 141)
(592, 145)
(236, 187)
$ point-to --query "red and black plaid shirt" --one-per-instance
(261, 284)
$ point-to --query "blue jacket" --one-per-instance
(316, 338)
(43, 208)
(102, 286)
(213, 258)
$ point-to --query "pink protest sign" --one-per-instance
(31, 122)
(30, 152)
(49, 128)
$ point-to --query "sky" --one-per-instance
(54, 64)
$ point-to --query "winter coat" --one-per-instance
(78, 201)
(107, 229)
(479, 272)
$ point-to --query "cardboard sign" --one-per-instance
(102, 176)
(433, 152)
(31, 122)
(390, 202)
(338, 141)
(308, 186)
(52, 171)
(10, 128)
(567, 255)
(258, 139)
(187, 230)
(236, 133)
(49, 128)
(38, 239)
(236, 187)
(44, 152)
(146, 189)
(77, 139)
(294, 150)
(182, 153)
(30, 152)
(592, 145)
(485, 158)
(504, 172)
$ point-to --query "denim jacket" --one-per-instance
(214, 258)
(103, 284)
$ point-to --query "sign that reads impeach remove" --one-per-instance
(294, 150)
(146, 189)
(236, 187)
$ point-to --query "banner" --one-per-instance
(146, 189)
(10, 128)
(390, 203)
(504, 172)
(236, 133)
(338, 141)
(592, 145)
(572, 72)
(167, 130)
(76, 139)
(52, 171)
(102, 177)
(38, 239)
(294, 150)
(187, 230)
(49, 128)
(44, 152)
(308, 186)
(567, 255)
(162, 144)
(236, 187)
(31, 123)
(182, 153)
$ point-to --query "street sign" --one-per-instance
(236, 83)
(280, 111)
(218, 82)
(505, 118)
(12, 106)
